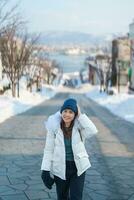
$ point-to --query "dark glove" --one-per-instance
(47, 180)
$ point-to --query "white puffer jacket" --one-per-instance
(54, 151)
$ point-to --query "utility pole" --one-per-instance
(118, 75)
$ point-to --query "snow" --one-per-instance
(120, 104)
(10, 106)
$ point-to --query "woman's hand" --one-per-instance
(47, 180)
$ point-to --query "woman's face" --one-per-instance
(67, 116)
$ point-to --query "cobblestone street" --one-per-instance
(22, 140)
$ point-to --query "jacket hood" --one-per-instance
(53, 122)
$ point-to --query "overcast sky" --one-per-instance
(90, 16)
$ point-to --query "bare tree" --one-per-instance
(55, 69)
(50, 67)
(47, 70)
(7, 14)
(102, 61)
(16, 51)
(46, 65)
(34, 73)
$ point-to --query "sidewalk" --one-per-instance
(20, 179)
(111, 153)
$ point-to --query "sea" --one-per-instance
(70, 63)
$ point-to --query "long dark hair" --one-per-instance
(67, 131)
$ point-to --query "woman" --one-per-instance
(65, 155)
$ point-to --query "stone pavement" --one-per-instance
(114, 153)
(111, 153)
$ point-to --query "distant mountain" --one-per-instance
(69, 38)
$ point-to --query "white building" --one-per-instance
(131, 36)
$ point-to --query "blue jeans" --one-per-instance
(72, 187)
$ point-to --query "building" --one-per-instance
(131, 36)
(120, 60)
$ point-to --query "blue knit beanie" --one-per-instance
(70, 104)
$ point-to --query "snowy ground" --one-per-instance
(120, 104)
(11, 106)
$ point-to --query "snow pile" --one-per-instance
(120, 104)
(10, 106)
